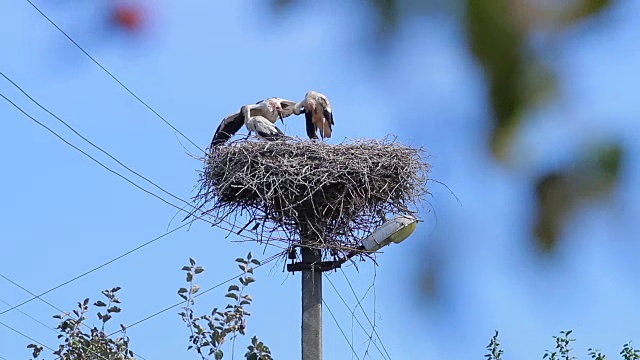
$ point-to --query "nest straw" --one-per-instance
(330, 195)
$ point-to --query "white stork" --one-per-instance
(271, 109)
(264, 128)
(318, 113)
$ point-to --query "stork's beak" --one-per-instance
(280, 116)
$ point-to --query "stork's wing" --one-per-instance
(275, 134)
(287, 107)
(227, 128)
(266, 130)
(328, 115)
(311, 127)
(326, 129)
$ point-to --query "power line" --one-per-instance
(38, 296)
(373, 327)
(30, 293)
(340, 328)
(89, 141)
(29, 316)
(122, 176)
(86, 154)
(265, 262)
(358, 321)
(26, 336)
(99, 149)
(113, 76)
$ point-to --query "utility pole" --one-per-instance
(312, 267)
(311, 305)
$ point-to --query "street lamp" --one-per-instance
(392, 231)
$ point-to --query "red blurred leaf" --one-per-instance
(128, 17)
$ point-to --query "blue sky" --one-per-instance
(62, 214)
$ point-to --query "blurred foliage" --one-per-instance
(497, 42)
(562, 350)
(212, 330)
(84, 342)
(499, 35)
(559, 193)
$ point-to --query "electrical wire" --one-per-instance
(90, 142)
(113, 76)
(27, 336)
(373, 327)
(340, 328)
(27, 315)
(107, 154)
(117, 174)
(358, 321)
(38, 296)
(124, 177)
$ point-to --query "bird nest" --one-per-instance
(332, 196)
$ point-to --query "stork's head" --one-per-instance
(276, 105)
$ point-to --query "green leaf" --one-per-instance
(85, 302)
(255, 261)
(244, 302)
(186, 268)
(218, 355)
(249, 280)
(194, 289)
(189, 277)
(182, 290)
(114, 309)
(192, 261)
(99, 303)
(249, 256)
(233, 288)
(241, 260)
(232, 295)
(198, 269)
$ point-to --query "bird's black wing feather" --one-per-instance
(227, 128)
(271, 135)
(311, 128)
(328, 115)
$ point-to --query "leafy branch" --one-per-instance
(92, 344)
(209, 332)
(563, 349)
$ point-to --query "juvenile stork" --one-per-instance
(264, 128)
(271, 109)
(318, 114)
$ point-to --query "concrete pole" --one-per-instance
(311, 307)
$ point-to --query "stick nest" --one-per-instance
(331, 195)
